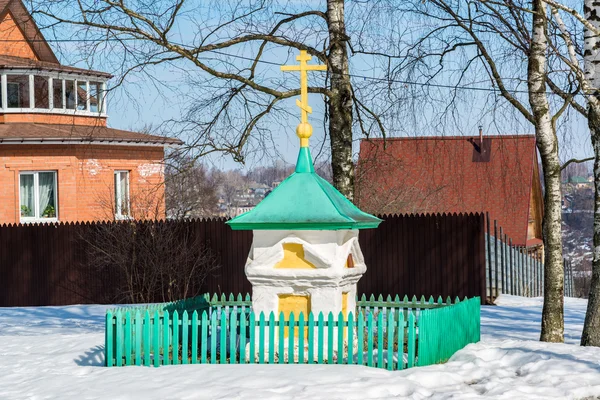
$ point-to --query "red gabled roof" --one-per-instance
(440, 174)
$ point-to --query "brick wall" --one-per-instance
(56, 119)
(85, 175)
(12, 40)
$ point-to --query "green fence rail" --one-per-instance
(199, 303)
(383, 333)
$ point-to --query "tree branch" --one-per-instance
(576, 161)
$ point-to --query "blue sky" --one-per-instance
(140, 103)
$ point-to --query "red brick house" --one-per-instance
(58, 159)
(455, 174)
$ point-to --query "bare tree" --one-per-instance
(156, 261)
(547, 142)
(190, 191)
(269, 174)
(226, 48)
(232, 185)
(499, 38)
(583, 61)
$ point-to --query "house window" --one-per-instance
(95, 96)
(82, 96)
(57, 93)
(41, 92)
(17, 91)
(70, 94)
(38, 195)
(121, 194)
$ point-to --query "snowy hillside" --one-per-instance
(56, 353)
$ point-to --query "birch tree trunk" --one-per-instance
(591, 328)
(340, 101)
(547, 144)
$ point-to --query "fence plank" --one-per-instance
(291, 331)
(194, 328)
(233, 337)
(175, 339)
(400, 333)
(108, 340)
(390, 341)
(243, 333)
(166, 338)
(261, 342)
(184, 337)
(213, 338)
(360, 331)
(138, 338)
(223, 338)
(156, 338)
(147, 333)
(350, 336)
(301, 325)
(252, 338)
(411, 340)
(271, 338)
(380, 339)
(320, 328)
(330, 326)
(311, 338)
(340, 331)
(128, 338)
(281, 337)
(370, 340)
(119, 339)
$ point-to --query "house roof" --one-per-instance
(449, 175)
(578, 179)
(46, 59)
(11, 62)
(304, 201)
(30, 133)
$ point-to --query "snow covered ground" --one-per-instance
(57, 353)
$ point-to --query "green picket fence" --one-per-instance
(383, 333)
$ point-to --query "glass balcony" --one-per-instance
(52, 93)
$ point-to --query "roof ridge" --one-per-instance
(500, 136)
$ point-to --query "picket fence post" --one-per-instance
(108, 340)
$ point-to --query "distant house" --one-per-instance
(58, 159)
(455, 174)
(580, 182)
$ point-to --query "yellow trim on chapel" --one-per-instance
(345, 304)
(293, 257)
(292, 303)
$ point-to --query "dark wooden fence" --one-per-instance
(439, 255)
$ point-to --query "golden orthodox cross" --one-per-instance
(304, 130)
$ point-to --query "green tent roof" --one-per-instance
(304, 201)
(579, 179)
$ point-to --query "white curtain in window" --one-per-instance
(26, 194)
(46, 187)
(124, 193)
